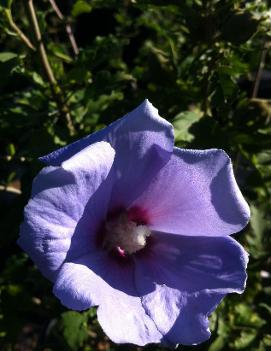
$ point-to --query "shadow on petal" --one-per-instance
(51, 177)
(132, 177)
(227, 198)
(192, 324)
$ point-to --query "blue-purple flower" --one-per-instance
(123, 220)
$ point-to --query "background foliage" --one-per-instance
(200, 62)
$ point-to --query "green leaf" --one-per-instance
(258, 237)
(245, 339)
(218, 344)
(227, 84)
(267, 340)
(60, 52)
(81, 7)
(182, 122)
(11, 149)
(7, 56)
(74, 328)
(8, 63)
(257, 222)
(266, 307)
(245, 316)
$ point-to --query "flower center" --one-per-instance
(125, 235)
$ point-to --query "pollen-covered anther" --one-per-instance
(125, 234)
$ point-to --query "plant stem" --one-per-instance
(259, 72)
(17, 30)
(41, 47)
(56, 89)
(67, 27)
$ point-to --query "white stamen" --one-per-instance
(125, 234)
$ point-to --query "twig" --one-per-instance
(57, 92)
(254, 92)
(41, 47)
(67, 27)
(17, 30)
(237, 161)
(206, 84)
(259, 72)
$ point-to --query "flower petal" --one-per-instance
(100, 280)
(60, 203)
(181, 318)
(89, 280)
(183, 279)
(143, 142)
(124, 320)
(193, 264)
(195, 194)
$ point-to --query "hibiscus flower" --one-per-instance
(125, 221)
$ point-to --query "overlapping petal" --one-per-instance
(181, 318)
(62, 198)
(91, 279)
(193, 264)
(187, 277)
(195, 194)
(97, 279)
(143, 142)
(124, 320)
